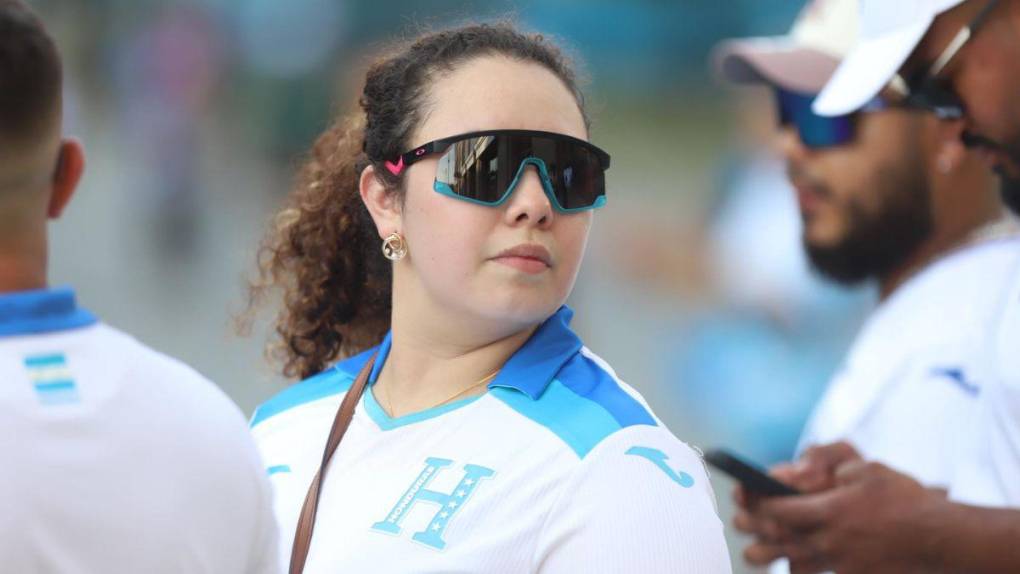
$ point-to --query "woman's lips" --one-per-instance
(529, 258)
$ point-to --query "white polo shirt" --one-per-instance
(558, 468)
(117, 459)
(908, 392)
(991, 477)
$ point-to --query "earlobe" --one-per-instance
(381, 202)
(68, 172)
(951, 152)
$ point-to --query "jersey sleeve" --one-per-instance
(639, 502)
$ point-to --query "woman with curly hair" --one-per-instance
(429, 247)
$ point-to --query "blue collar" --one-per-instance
(41, 311)
(533, 366)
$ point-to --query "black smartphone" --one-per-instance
(750, 475)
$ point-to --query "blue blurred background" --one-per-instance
(195, 113)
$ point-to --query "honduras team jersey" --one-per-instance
(559, 467)
(909, 390)
(117, 459)
(991, 477)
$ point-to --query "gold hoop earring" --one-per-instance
(394, 247)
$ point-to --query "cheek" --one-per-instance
(572, 238)
(445, 236)
(990, 99)
(847, 184)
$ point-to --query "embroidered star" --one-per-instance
(453, 504)
(443, 514)
(461, 493)
(435, 527)
(469, 482)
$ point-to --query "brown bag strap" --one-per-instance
(306, 522)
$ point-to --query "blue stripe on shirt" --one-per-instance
(583, 405)
(330, 382)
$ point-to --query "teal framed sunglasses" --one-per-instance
(484, 167)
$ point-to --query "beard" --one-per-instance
(1009, 187)
(878, 241)
(1009, 190)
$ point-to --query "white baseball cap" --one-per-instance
(890, 31)
(801, 61)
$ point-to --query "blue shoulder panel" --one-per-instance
(582, 406)
(332, 381)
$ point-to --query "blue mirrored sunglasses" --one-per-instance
(817, 131)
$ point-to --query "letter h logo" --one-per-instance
(448, 504)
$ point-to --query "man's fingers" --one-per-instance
(802, 476)
(799, 512)
(830, 456)
(743, 522)
(740, 496)
(855, 471)
(760, 554)
(763, 529)
(815, 470)
(786, 473)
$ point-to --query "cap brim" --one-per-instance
(868, 69)
(774, 61)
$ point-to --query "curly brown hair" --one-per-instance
(322, 251)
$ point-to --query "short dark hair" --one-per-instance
(30, 74)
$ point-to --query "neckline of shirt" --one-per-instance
(41, 311)
(529, 370)
(532, 367)
(385, 422)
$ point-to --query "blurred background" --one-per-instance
(194, 114)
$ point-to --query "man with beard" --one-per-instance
(957, 59)
(891, 195)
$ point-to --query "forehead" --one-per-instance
(496, 92)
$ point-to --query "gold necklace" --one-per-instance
(486, 379)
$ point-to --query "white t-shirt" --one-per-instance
(558, 468)
(992, 476)
(907, 394)
(909, 391)
(117, 459)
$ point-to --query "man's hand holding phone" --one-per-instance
(814, 472)
(854, 516)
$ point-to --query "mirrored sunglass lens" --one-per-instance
(470, 167)
(483, 168)
(819, 131)
(814, 130)
(582, 181)
(574, 171)
(792, 106)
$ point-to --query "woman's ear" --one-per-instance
(382, 204)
